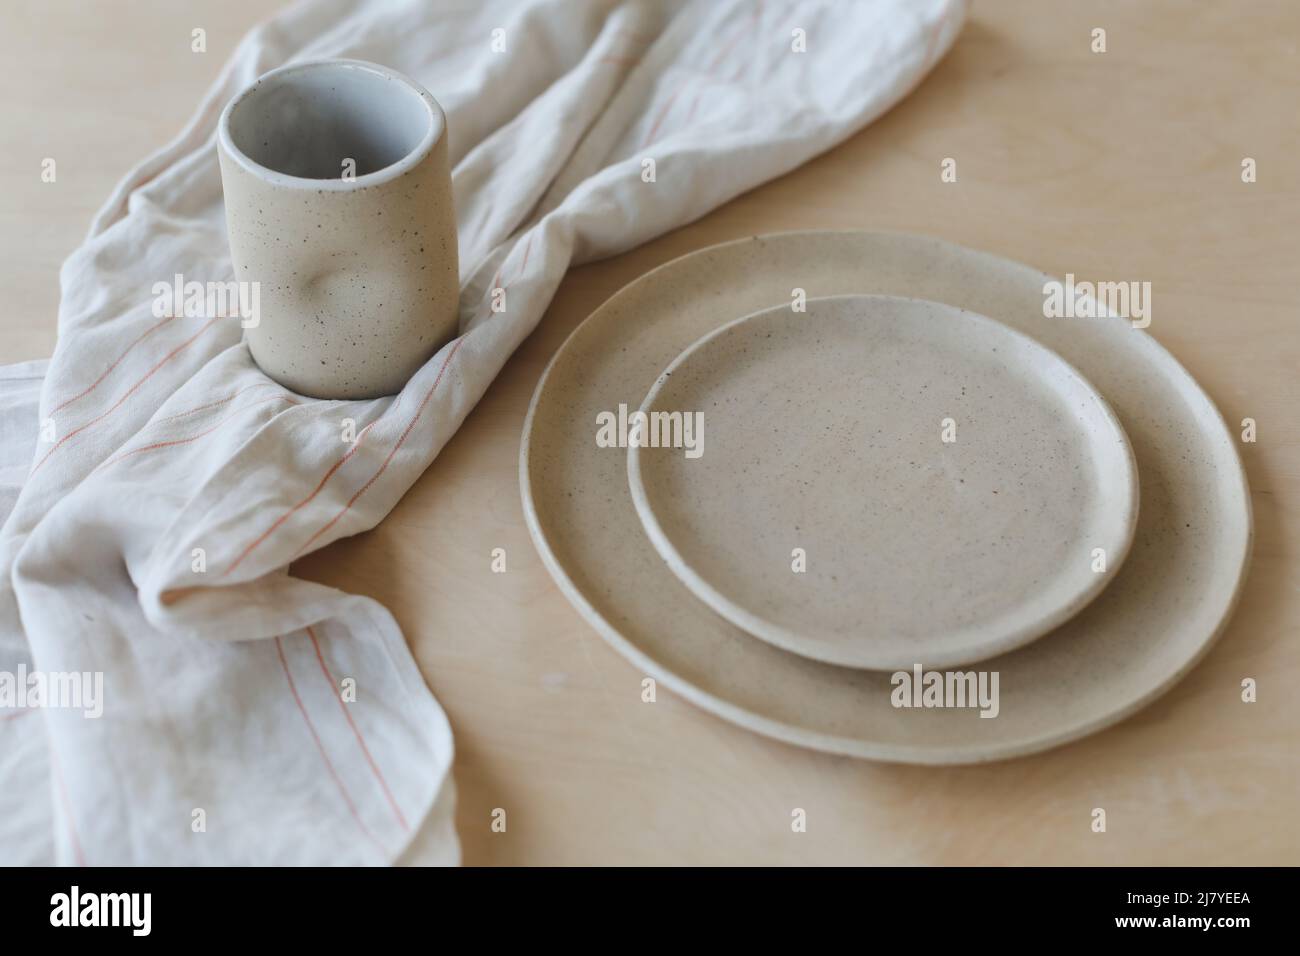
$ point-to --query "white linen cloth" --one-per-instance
(223, 736)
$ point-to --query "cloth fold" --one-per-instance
(249, 716)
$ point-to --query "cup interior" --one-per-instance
(308, 121)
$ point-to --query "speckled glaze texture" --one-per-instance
(1148, 628)
(358, 276)
(886, 482)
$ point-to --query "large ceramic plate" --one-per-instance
(1146, 630)
(876, 482)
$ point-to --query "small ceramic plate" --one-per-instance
(878, 482)
(1157, 618)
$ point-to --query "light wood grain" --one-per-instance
(1124, 165)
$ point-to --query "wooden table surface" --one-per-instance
(1122, 165)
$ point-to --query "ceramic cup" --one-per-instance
(339, 207)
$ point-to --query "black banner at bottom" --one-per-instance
(211, 906)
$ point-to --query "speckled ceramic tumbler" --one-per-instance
(339, 205)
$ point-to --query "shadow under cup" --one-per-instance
(339, 207)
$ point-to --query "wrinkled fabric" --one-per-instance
(158, 484)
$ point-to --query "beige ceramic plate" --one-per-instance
(1140, 636)
(878, 482)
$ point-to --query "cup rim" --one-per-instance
(436, 130)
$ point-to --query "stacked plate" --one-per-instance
(857, 491)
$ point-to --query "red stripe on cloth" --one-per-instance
(116, 362)
(77, 853)
(193, 438)
(384, 467)
(329, 765)
(275, 525)
(125, 395)
(356, 731)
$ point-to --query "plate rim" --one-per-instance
(746, 719)
(820, 650)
